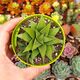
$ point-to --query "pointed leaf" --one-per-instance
(25, 37)
(40, 38)
(42, 50)
(49, 52)
(46, 29)
(33, 25)
(21, 46)
(21, 54)
(33, 56)
(37, 34)
(41, 23)
(30, 32)
(29, 46)
(55, 41)
(27, 56)
(54, 31)
(47, 39)
(35, 44)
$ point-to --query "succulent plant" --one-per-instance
(69, 50)
(75, 63)
(66, 29)
(75, 30)
(38, 40)
(3, 18)
(71, 5)
(43, 75)
(64, 7)
(70, 14)
(61, 70)
(56, 6)
(56, 16)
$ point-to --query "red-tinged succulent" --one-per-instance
(63, 1)
(13, 7)
(36, 2)
(71, 0)
(69, 50)
(4, 1)
(20, 1)
(45, 8)
(66, 29)
(1, 9)
(28, 9)
(50, 1)
(75, 30)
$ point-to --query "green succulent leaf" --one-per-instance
(40, 38)
(29, 46)
(50, 50)
(30, 31)
(33, 25)
(41, 24)
(34, 54)
(21, 54)
(37, 34)
(27, 56)
(36, 44)
(24, 36)
(46, 29)
(42, 50)
(55, 41)
(54, 31)
(47, 39)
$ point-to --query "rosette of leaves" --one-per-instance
(75, 63)
(61, 70)
(43, 75)
(37, 40)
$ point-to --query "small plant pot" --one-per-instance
(38, 40)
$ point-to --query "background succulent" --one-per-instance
(40, 39)
(61, 70)
(43, 75)
(75, 63)
(69, 50)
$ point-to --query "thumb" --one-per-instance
(34, 71)
(9, 26)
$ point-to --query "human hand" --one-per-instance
(8, 71)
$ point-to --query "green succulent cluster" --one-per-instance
(43, 75)
(75, 63)
(40, 39)
(3, 18)
(61, 70)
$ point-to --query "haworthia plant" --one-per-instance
(40, 39)
(61, 70)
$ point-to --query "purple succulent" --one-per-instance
(69, 50)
